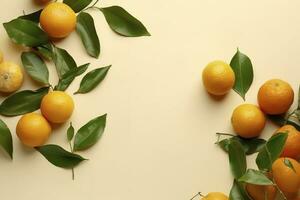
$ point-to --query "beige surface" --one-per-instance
(159, 141)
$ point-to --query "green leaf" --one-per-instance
(92, 79)
(45, 51)
(255, 177)
(237, 159)
(23, 102)
(70, 132)
(271, 151)
(124, 23)
(288, 163)
(68, 77)
(35, 16)
(6, 139)
(59, 157)
(64, 62)
(90, 133)
(77, 5)
(25, 32)
(250, 146)
(238, 192)
(87, 32)
(242, 67)
(35, 67)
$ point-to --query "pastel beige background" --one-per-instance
(159, 140)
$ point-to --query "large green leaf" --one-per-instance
(77, 5)
(255, 177)
(237, 159)
(87, 32)
(92, 79)
(64, 62)
(90, 133)
(124, 23)
(23, 102)
(35, 16)
(68, 77)
(45, 50)
(60, 157)
(250, 146)
(271, 151)
(6, 139)
(238, 192)
(35, 67)
(242, 67)
(25, 32)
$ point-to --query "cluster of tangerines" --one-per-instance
(58, 20)
(274, 97)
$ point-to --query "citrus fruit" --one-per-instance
(218, 78)
(275, 97)
(215, 196)
(261, 192)
(58, 20)
(292, 144)
(57, 106)
(248, 120)
(11, 77)
(33, 129)
(286, 177)
(1, 57)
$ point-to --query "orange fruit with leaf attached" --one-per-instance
(33, 129)
(215, 196)
(57, 106)
(292, 144)
(58, 20)
(261, 192)
(286, 174)
(275, 97)
(248, 120)
(11, 77)
(218, 78)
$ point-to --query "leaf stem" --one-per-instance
(73, 173)
(198, 194)
(92, 6)
(226, 134)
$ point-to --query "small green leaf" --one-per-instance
(59, 157)
(255, 177)
(271, 151)
(25, 32)
(90, 133)
(250, 146)
(238, 192)
(87, 32)
(237, 159)
(77, 5)
(68, 77)
(92, 79)
(242, 67)
(35, 67)
(64, 62)
(288, 163)
(35, 16)
(124, 23)
(70, 132)
(23, 102)
(6, 139)
(45, 50)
